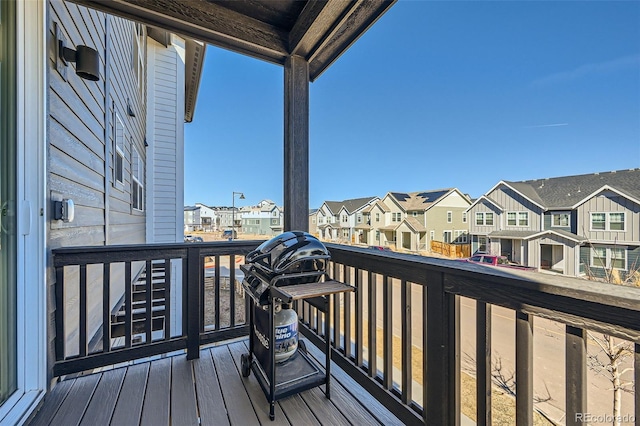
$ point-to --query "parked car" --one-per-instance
(493, 260)
(381, 248)
(228, 233)
(192, 239)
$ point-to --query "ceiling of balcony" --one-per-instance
(319, 31)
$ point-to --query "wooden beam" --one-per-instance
(315, 24)
(296, 144)
(345, 32)
(205, 21)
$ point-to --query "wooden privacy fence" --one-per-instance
(451, 250)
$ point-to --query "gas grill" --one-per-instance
(287, 268)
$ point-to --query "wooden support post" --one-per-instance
(296, 144)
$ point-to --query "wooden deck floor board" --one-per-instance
(210, 402)
(75, 404)
(172, 390)
(128, 409)
(257, 396)
(184, 409)
(157, 398)
(236, 399)
(45, 416)
(104, 400)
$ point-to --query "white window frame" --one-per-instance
(137, 187)
(607, 221)
(449, 216)
(512, 219)
(444, 238)
(377, 217)
(526, 217)
(344, 218)
(462, 234)
(432, 235)
(464, 217)
(415, 214)
(359, 218)
(119, 142)
(560, 215)
(138, 56)
(608, 258)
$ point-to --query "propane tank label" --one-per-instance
(286, 338)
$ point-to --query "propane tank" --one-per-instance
(285, 323)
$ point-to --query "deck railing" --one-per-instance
(398, 335)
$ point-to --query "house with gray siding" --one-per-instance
(343, 220)
(266, 218)
(103, 145)
(585, 225)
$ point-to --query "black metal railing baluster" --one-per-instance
(387, 332)
(232, 290)
(348, 351)
(128, 316)
(216, 292)
(576, 374)
(106, 307)
(148, 325)
(483, 363)
(167, 299)
(359, 317)
(373, 332)
(407, 346)
(524, 369)
(83, 311)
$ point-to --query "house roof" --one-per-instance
(415, 224)
(379, 204)
(351, 206)
(569, 191)
(270, 30)
(420, 200)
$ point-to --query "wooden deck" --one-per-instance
(207, 391)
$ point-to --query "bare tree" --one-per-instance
(613, 353)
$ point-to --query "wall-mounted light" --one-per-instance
(86, 58)
(64, 210)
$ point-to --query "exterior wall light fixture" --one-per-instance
(86, 58)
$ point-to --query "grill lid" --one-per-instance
(289, 253)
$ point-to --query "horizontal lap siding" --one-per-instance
(166, 137)
(78, 149)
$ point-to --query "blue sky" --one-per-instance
(434, 95)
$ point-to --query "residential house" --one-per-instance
(262, 219)
(208, 217)
(338, 220)
(84, 153)
(574, 225)
(313, 222)
(410, 221)
(226, 216)
(192, 220)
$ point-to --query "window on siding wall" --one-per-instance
(449, 217)
(139, 56)
(607, 221)
(485, 218)
(560, 219)
(609, 257)
(464, 217)
(118, 153)
(137, 179)
(377, 217)
(344, 217)
(523, 218)
(511, 219)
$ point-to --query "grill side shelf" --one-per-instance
(303, 291)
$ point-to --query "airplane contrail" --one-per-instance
(547, 125)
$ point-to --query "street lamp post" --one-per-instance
(233, 213)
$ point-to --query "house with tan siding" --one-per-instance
(574, 225)
(414, 219)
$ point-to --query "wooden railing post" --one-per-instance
(442, 400)
(194, 275)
